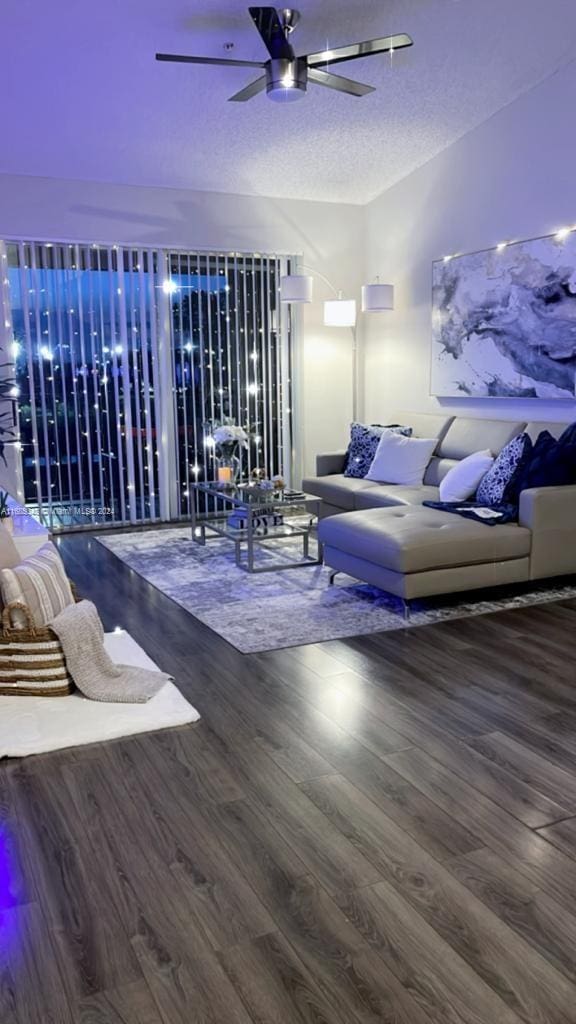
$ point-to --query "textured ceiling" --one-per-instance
(82, 96)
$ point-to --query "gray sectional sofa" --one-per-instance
(381, 533)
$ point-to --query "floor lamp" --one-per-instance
(338, 312)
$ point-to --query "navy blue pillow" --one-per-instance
(364, 441)
(553, 462)
(569, 435)
(500, 484)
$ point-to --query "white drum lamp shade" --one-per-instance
(340, 313)
(296, 288)
(377, 297)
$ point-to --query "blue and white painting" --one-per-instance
(504, 321)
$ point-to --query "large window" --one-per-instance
(230, 360)
(125, 360)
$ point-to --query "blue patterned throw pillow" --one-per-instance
(500, 485)
(364, 441)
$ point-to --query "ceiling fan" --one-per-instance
(285, 75)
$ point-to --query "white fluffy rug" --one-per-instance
(35, 725)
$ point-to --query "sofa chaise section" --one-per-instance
(416, 552)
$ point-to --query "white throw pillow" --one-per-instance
(461, 482)
(401, 460)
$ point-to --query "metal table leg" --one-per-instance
(198, 529)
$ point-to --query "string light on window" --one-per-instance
(169, 287)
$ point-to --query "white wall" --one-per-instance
(328, 237)
(513, 177)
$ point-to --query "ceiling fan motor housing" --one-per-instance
(286, 80)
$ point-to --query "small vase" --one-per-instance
(8, 523)
(229, 467)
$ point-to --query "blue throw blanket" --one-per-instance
(493, 515)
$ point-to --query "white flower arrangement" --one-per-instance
(229, 434)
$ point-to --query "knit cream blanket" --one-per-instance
(81, 634)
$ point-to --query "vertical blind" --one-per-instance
(126, 359)
(230, 360)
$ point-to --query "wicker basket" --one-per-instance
(32, 662)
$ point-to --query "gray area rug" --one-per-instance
(286, 609)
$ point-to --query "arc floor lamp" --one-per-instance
(297, 289)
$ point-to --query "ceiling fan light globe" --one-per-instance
(285, 94)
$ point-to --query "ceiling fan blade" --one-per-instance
(180, 59)
(270, 28)
(356, 50)
(339, 83)
(251, 90)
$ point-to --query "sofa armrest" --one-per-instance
(550, 513)
(329, 463)
(548, 508)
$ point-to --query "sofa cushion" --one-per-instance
(465, 436)
(424, 424)
(437, 470)
(336, 488)
(387, 495)
(416, 539)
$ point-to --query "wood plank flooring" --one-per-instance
(370, 831)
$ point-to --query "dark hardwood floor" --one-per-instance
(362, 831)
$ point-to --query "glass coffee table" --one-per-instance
(254, 519)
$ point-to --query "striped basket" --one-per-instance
(32, 662)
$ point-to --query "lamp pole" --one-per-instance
(338, 294)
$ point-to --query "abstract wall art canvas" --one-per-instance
(504, 321)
